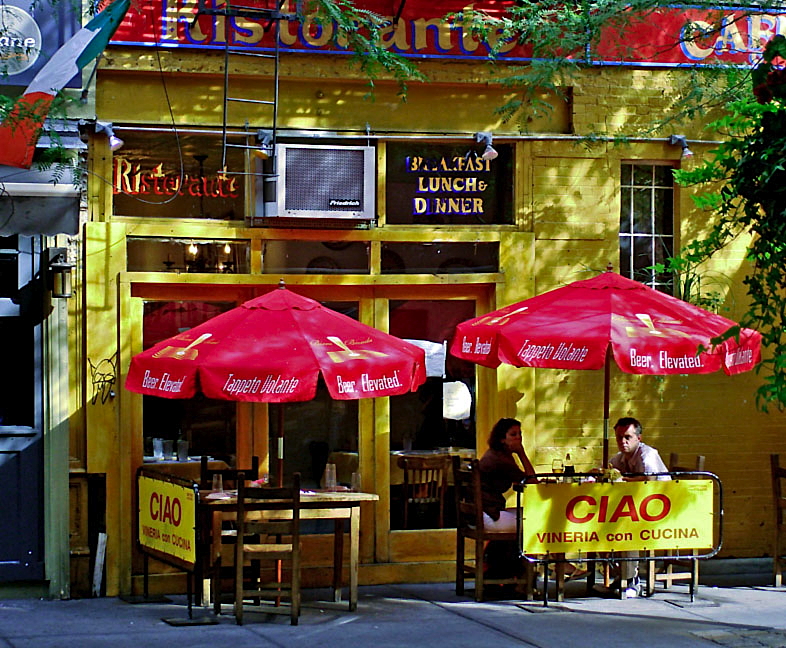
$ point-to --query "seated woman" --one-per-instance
(498, 472)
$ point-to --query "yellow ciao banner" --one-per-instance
(620, 516)
(167, 518)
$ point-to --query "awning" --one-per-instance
(34, 208)
(46, 202)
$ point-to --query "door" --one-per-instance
(21, 417)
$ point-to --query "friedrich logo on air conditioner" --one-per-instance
(344, 202)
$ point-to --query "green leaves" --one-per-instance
(361, 31)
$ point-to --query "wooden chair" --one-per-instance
(425, 482)
(229, 475)
(677, 569)
(469, 524)
(779, 500)
(268, 534)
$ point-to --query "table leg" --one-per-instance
(338, 558)
(354, 556)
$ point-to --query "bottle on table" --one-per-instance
(570, 470)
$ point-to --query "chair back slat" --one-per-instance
(425, 482)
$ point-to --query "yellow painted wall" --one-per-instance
(567, 220)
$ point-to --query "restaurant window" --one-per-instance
(150, 254)
(315, 257)
(207, 424)
(448, 184)
(440, 417)
(318, 431)
(647, 223)
(178, 175)
(439, 258)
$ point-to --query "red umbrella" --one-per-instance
(273, 349)
(581, 325)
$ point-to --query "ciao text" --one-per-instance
(165, 509)
(586, 508)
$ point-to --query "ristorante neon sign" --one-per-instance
(670, 36)
(131, 178)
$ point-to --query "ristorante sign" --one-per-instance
(671, 36)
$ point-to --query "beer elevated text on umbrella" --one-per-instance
(581, 325)
(273, 349)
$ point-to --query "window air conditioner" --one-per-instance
(322, 182)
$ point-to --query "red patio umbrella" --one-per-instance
(273, 349)
(582, 325)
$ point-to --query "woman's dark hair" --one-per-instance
(499, 431)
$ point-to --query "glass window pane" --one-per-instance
(17, 396)
(317, 431)
(159, 175)
(439, 258)
(316, 257)
(625, 266)
(642, 259)
(417, 422)
(448, 184)
(642, 175)
(188, 255)
(642, 211)
(627, 174)
(664, 176)
(626, 222)
(208, 425)
(664, 211)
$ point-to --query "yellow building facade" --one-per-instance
(560, 223)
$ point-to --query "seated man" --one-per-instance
(634, 456)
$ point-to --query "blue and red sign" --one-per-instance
(668, 37)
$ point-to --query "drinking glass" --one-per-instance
(557, 466)
(356, 485)
(218, 483)
(168, 449)
(158, 449)
(330, 477)
(182, 450)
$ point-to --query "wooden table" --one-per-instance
(315, 505)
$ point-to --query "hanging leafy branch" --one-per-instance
(750, 169)
(361, 31)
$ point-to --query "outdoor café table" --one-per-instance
(314, 505)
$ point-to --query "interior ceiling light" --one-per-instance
(681, 140)
(485, 138)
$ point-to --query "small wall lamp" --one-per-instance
(486, 137)
(681, 140)
(58, 272)
(114, 141)
(265, 139)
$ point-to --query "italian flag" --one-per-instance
(22, 126)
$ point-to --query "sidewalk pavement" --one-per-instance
(415, 615)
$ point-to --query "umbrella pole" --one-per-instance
(606, 376)
(280, 447)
